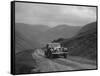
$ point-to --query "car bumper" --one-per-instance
(60, 53)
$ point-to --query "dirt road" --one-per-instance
(58, 64)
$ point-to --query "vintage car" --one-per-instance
(55, 50)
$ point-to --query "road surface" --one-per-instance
(58, 64)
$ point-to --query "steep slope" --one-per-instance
(88, 29)
(84, 43)
(23, 43)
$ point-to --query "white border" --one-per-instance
(5, 38)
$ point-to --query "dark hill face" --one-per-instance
(84, 43)
(89, 28)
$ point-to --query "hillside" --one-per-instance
(84, 43)
(60, 31)
(30, 33)
(24, 47)
(23, 43)
(88, 29)
(64, 31)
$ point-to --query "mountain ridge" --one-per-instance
(45, 34)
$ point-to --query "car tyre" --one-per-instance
(65, 56)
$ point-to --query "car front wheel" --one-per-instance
(65, 56)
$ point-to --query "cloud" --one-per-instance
(53, 15)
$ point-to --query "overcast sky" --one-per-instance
(52, 15)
